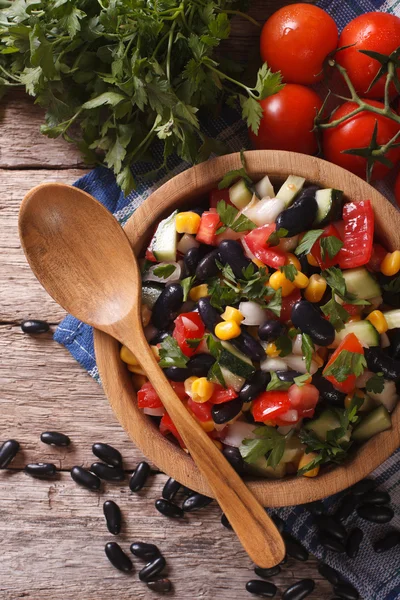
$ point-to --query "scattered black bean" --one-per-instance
(117, 557)
(330, 525)
(176, 373)
(112, 514)
(162, 586)
(353, 542)
(363, 486)
(209, 315)
(55, 438)
(8, 452)
(394, 348)
(191, 260)
(225, 522)
(265, 589)
(254, 386)
(300, 216)
(167, 305)
(232, 254)
(271, 330)
(84, 478)
(327, 393)
(309, 320)
(152, 569)
(315, 508)
(34, 326)
(41, 469)
(225, 412)
(168, 509)
(139, 477)
(294, 548)
(299, 590)
(377, 497)
(207, 267)
(329, 573)
(200, 364)
(234, 457)
(346, 507)
(170, 489)
(248, 345)
(287, 375)
(376, 514)
(145, 551)
(280, 523)
(378, 361)
(108, 454)
(106, 472)
(331, 543)
(195, 502)
(387, 542)
(159, 337)
(346, 591)
(266, 573)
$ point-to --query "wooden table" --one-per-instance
(53, 532)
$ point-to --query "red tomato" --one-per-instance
(202, 411)
(287, 120)
(377, 256)
(167, 426)
(287, 304)
(269, 405)
(216, 195)
(352, 309)
(188, 326)
(147, 397)
(316, 251)
(296, 39)
(376, 31)
(257, 243)
(150, 256)
(397, 190)
(356, 132)
(222, 394)
(358, 236)
(304, 399)
(352, 344)
(208, 226)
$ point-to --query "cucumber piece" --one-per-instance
(368, 403)
(235, 361)
(363, 330)
(392, 318)
(330, 203)
(239, 194)
(163, 244)
(264, 188)
(294, 450)
(361, 283)
(232, 380)
(375, 422)
(150, 293)
(388, 396)
(290, 189)
(260, 467)
(327, 421)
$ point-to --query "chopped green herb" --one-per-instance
(393, 285)
(289, 272)
(164, 270)
(193, 342)
(308, 241)
(231, 176)
(375, 384)
(171, 355)
(302, 379)
(276, 236)
(338, 316)
(186, 286)
(269, 443)
(213, 345)
(293, 332)
(229, 218)
(222, 295)
(307, 348)
(275, 303)
(277, 384)
(346, 363)
(336, 281)
(215, 375)
(330, 246)
(284, 344)
(254, 283)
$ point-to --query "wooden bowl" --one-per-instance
(181, 190)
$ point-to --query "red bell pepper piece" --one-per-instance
(257, 243)
(351, 344)
(316, 250)
(209, 224)
(358, 235)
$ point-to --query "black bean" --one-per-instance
(347, 506)
(108, 454)
(107, 473)
(34, 326)
(377, 497)
(298, 217)
(145, 551)
(8, 452)
(279, 523)
(327, 393)
(225, 522)
(306, 268)
(254, 386)
(299, 590)
(331, 543)
(249, 346)
(168, 509)
(159, 337)
(346, 591)
(167, 305)
(207, 267)
(176, 373)
(55, 438)
(363, 486)
(353, 542)
(329, 573)
(261, 588)
(200, 364)
(118, 558)
(170, 489)
(232, 254)
(330, 525)
(394, 348)
(387, 542)
(162, 586)
(84, 478)
(287, 375)
(307, 318)
(294, 548)
(376, 514)
(191, 260)
(271, 330)
(40, 469)
(265, 573)
(315, 508)
(139, 477)
(195, 502)
(222, 413)
(112, 514)
(152, 569)
(380, 362)
(209, 315)
(234, 457)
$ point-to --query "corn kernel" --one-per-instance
(305, 460)
(232, 314)
(301, 281)
(227, 330)
(188, 385)
(156, 352)
(378, 320)
(136, 369)
(291, 259)
(187, 222)
(199, 291)
(279, 281)
(127, 356)
(207, 426)
(138, 381)
(146, 314)
(391, 263)
(316, 288)
(354, 319)
(218, 444)
(272, 351)
(202, 390)
(312, 261)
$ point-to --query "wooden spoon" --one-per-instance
(82, 257)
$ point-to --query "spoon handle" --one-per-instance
(254, 528)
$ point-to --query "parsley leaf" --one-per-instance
(276, 236)
(214, 346)
(164, 270)
(375, 384)
(171, 355)
(254, 283)
(307, 348)
(229, 217)
(186, 286)
(345, 364)
(215, 375)
(330, 246)
(289, 272)
(308, 241)
(193, 342)
(393, 285)
(338, 316)
(284, 344)
(269, 443)
(301, 380)
(334, 278)
(222, 295)
(231, 176)
(277, 384)
(275, 303)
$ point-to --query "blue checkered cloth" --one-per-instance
(377, 577)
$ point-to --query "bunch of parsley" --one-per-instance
(126, 72)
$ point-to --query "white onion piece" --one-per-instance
(297, 343)
(297, 363)
(388, 396)
(363, 378)
(273, 364)
(149, 332)
(187, 242)
(266, 211)
(175, 276)
(290, 416)
(253, 313)
(252, 204)
(385, 342)
(288, 244)
(154, 412)
(237, 432)
(264, 188)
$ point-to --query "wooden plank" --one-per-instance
(59, 550)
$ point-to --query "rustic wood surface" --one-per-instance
(53, 533)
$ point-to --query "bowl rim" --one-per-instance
(116, 379)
